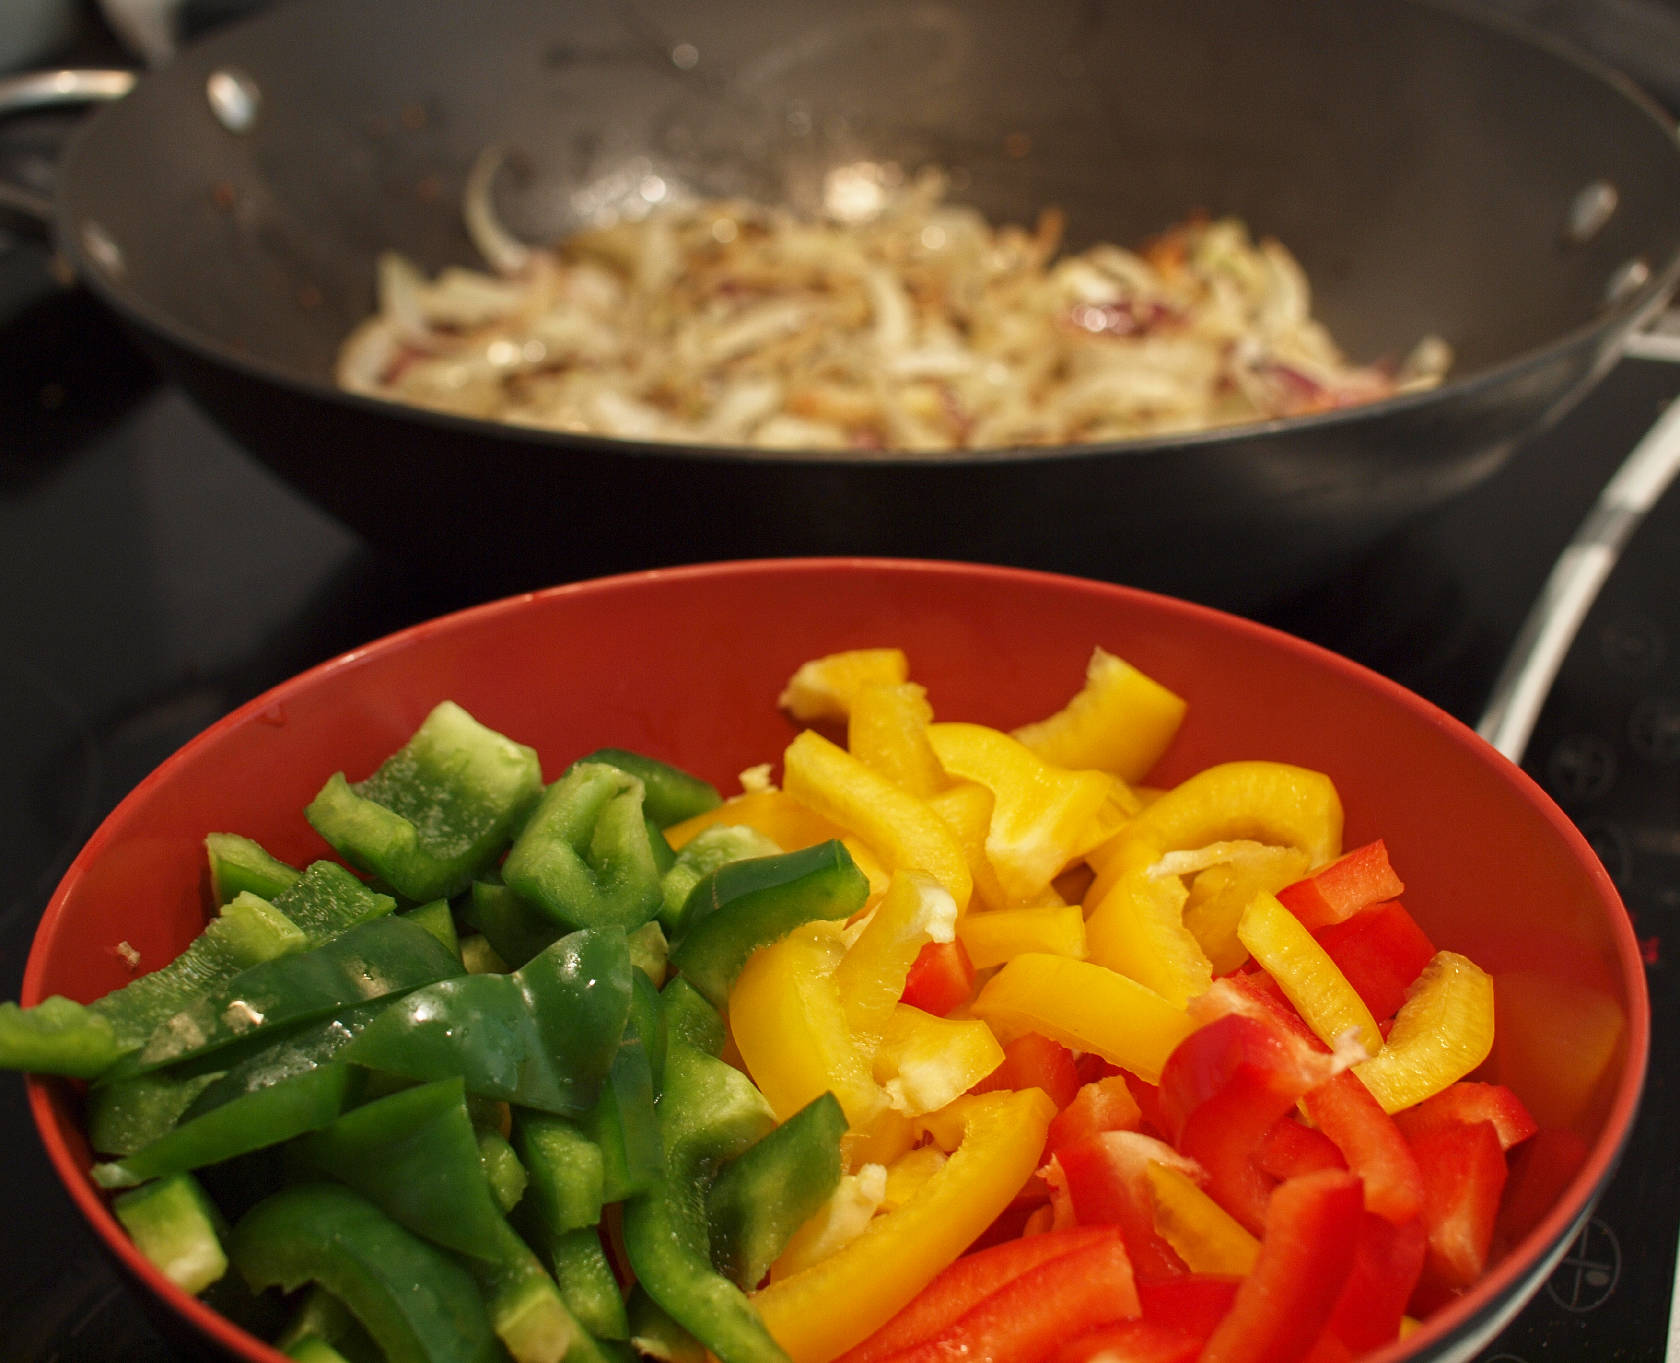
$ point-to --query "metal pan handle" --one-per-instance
(1582, 568)
(36, 90)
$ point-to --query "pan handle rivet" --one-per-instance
(1627, 278)
(102, 250)
(234, 99)
(1593, 207)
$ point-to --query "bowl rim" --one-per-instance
(1470, 1318)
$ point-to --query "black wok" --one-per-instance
(1433, 173)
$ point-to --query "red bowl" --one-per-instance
(686, 664)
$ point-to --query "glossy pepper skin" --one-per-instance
(437, 811)
(744, 905)
(773, 1187)
(378, 959)
(544, 1036)
(586, 855)
(415, 1154)
(419, 1304)
(60, 1036)
(709, 1113)
(821, 1311)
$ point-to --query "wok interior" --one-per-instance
(1421, 167)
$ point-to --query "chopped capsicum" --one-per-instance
(900, 827)
(709, 1113)
(743, 905)
(1441, 1033)
(765, 1193)
(377, 959)
(820, 1311)
(544, 1036)
(1087, 1007)
(419, 1304)
(437, 811)
(415, 1154)
(585, 854)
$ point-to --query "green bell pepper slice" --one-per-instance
(239, 864)
(702, 854)
(435, 813)
(543, 1036)
(256, 1121)
(624, 1123)
(415, 1154)
(763, 1195)
(586, 856)
(709, 1113)
(743, 905)
(419, 1303)
(61, 1036)
(377, 959)
(671, 794)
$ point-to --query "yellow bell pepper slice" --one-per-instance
(823, 1310)
(1087, 1007)
(789, 1025)
(786, 822)
(1271, 802)
(925, 1062)
(915, 910)
(1121, 720)
(823, 688)
(907, 1173)
(967, 807)
(1137, 928)
(903, 830)
(841, 1219)
(1043, 816)
(1310, 980)
(887, 730)
(993, 936)
(1219, 894)
(888, 1137)
(1206, 1236)
(1443, 1031)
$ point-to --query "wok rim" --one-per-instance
(1600, 337)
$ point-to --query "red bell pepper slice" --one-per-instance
(1464, 1174)
(1033, 1060)
(1292, 1148)
(1102, 1105)
(965, 1283)
(1104, 1181)
(1222, 1089)
(1028, 1318)
(1305, 1258)
(1387, 1262)
(1132, 1341)
(1179, 1314)
(1381, 950)
(1471, 1100)
(1540, 1169)
(1355, 881)
(940, 978)
(1194, 1302)
(1372, 1143)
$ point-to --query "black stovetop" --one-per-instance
(153, 576)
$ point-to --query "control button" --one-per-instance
(1588, 1273)
(1581, 767)
(1654, 729)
